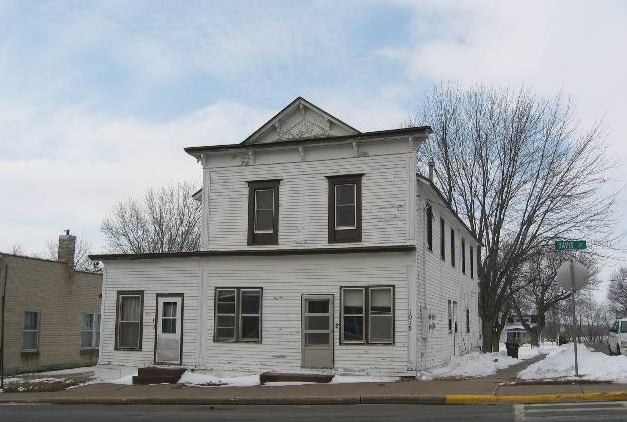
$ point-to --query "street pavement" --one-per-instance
(503, 387)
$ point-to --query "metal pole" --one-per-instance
(572, 297)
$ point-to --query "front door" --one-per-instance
(317, 331)
(168, 329)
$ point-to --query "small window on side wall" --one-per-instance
(429, 227)
(90, 330)
(30, 333)
(263, 212)
(345, 208)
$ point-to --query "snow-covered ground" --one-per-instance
(593, 366)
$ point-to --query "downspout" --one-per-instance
(4, 289)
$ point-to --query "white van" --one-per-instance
(617, 337)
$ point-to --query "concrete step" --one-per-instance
(294, 377)
(158, 375)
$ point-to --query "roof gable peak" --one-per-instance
(299, 119)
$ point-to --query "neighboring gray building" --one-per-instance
(52, 312)
(321, 250)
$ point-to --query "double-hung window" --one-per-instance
(345, 208)
(442, 241)
(452, 246)
(129, 320)
(263, 212)
(90, 330)
(472, 263)
(463, 256)
(429, 227)
(367, 315)
(238, 314)
(30, 332)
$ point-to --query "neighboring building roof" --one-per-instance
(433, 187)
(197, 195)
(51, 261)
(258, 252)
(319, 124)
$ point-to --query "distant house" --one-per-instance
(515, 332)
(322, 249)
(51, 312)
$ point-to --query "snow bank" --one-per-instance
(207, 380)
(593, 366)
(473, 365)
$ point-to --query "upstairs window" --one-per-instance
(452, 247)
(129, 320)
(442, 241)
(472, 263)
(463, 256)
(30, 332)
(263, 212)
(429, 227)
(345, 208)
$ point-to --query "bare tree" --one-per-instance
(617, 292)
(519, 170)
(537, 291)
(81, 254)
(168, 220)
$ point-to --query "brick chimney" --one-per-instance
(67, 246)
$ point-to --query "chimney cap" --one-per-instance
(67, 232)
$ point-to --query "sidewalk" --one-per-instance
(498, 388)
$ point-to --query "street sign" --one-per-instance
(575, 279)
(570, 245)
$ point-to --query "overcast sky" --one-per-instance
(98, 99)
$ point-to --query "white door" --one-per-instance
(168, 336)
(317, 330)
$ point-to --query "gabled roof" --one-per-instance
(299, 119)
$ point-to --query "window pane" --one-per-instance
(250, 328)
(129, 334)
(226, 308)
(250, 301)
(353, 301)
(30, 320)
(87, 322)
(380, 301)
(29, 340)
(168, 325)
(345, 216)
(86, 337)
(316, 338)
(623, 327)
(318, 306)
(345, 194)
(226, 301)
(130, 308)
(353, 328)
(226, 321)
(169, 309)
(264, 199)
(263, 221)
(317, 323)
(225, 333)
(380, 328)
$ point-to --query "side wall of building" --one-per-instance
(444, 290)
(60, 297)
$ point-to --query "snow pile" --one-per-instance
(126, 380)
(593, 366)
(194, 378)
(473, 365)
(352, 379)
(527, 352)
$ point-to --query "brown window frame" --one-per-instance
(367, 315)
(472, 263)
(271, 238)
(121, 293)
(345, 235)
(429, 213)
(452, 246)
(442, 240)
(467, 320)
(237, 335)
(463, 256)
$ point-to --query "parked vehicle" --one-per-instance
(617, 337)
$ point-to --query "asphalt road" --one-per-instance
(612, 411)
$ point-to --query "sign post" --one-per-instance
(572, 275)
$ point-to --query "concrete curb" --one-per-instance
(458, 399)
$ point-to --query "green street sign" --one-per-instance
(570, 245)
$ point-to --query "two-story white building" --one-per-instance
(322, 250)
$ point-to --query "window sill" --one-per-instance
(29, 353)
(89, 351)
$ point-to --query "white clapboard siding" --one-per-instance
(303, 200)
(284, 280)
(151, 276)
(443, 283)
